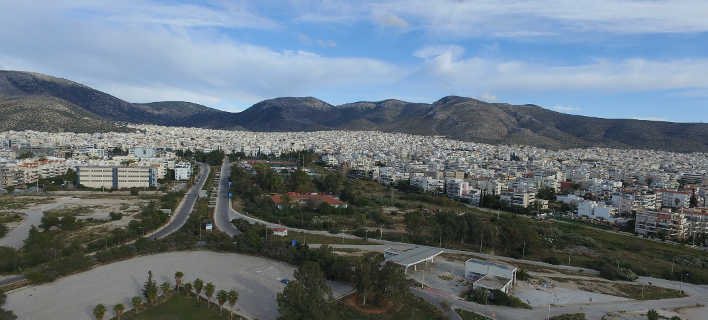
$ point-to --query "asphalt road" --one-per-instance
(256, 279)
(179, 218)
(222, 212)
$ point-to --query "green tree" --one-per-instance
(221, 297)
(118, 309)
(188, 289)
(232, 296)
(308, 297)
(150, 288)
(365, 275)
(415, 222)
(99, 311)
(546, 193)
(652, 314)
(178, 278)
(165, 287)
(209, 291)
(198, 286)
(136, 302)
(10, 189)
(301, 181)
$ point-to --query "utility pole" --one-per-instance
(481, 237)
(524, 251)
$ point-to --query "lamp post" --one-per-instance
(106, 243)
(55, 253)
(143, 231)
(681, 283)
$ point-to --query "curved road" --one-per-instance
(185, 207)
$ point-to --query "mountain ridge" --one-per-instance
(36, 101)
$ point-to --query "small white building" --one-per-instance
(183, 171)
(280, 232)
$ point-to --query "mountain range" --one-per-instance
(44, 103)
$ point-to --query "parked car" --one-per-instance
(286, 281)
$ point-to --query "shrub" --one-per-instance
(116, 215)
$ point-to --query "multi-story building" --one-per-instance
(518, 197)
(674, 224)
(457, 187)
(674, 199)
(116, 177)
(183, 171)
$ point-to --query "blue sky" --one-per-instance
(602, 58)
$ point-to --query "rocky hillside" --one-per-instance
(40, 102)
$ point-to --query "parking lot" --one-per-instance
(256, 279)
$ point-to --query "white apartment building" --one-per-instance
(183, 171)
(674, 199)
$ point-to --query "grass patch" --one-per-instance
(10, 217)
(631, 291)
(469, 315)
(71, 211)
(410, 307)
(177, 307)
(323, 239)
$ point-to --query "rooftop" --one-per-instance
(414, 256)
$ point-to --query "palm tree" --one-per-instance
(188, 289)
(209, 291)
(165, 287)
(99, 310)
(232, 296)
(137, 301)
(118, 309)
(178, 278)
(198, 286)
(221, 298)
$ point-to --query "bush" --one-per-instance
(134, 191)
(553, 260)
(116, 215)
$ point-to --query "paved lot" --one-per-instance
(256, 279)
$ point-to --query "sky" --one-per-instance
(639, 59)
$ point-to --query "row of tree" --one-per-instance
(151, 291)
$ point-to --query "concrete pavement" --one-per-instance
(256, 279)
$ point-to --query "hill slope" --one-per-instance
(40, 102)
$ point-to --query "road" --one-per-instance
(178, 219)
(223, 212)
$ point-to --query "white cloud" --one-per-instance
(565, 109)
(328, 43)
(391, 20)
(140, 62)
(650, 119)
(305, 39)
(488, 97)
(521, 18)
(445, 64)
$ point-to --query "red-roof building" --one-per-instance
(304, 198)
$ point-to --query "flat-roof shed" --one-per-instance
(412, 257)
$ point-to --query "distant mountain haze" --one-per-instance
(40, 102)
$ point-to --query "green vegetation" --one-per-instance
(495, 297)
(5, 314)
(213, 158)
(308, 297)
(177, 307)
(409, 307)
(469, 315)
